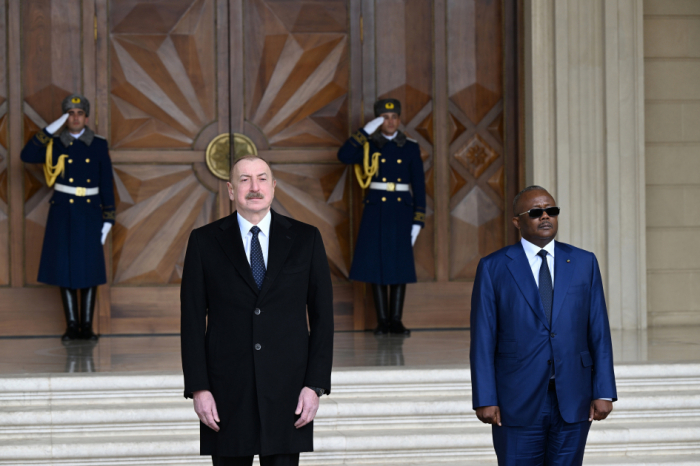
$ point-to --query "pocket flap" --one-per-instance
(586, 359)
(507, 346)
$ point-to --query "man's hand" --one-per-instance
(489, 415)
(307, 407)
(372, 126)
(600, 410)
(205, 407)
(56, 125)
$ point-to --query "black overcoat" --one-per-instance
(72, 255)
(256, 388)
(383, 251)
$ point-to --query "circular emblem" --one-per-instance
(218, 154)
(389, 105)
(75, 100)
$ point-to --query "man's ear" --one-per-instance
(516, 222)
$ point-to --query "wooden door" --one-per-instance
(297, 77)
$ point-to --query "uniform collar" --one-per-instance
(379, 140)
(87, 137)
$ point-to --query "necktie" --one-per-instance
(545, 283)
(257, 261)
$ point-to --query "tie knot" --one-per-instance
(542, 254)
(255, 230)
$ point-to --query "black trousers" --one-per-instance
(291, 459)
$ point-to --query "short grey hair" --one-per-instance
(249, 157)
(534, 187)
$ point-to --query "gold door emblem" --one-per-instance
(219, 149)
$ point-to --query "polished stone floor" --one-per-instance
(352, 349)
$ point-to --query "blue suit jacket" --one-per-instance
(512, 342)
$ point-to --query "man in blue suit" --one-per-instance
(541, 354)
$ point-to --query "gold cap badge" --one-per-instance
(75, 100)
(389, 105)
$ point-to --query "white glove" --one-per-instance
(56, 125)
(105, 231)
(372, 126)
(414, 234)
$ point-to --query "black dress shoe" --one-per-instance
(397, 328)
(72, 333)
(382, 328)
(86, 333)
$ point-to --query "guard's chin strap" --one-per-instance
(52, 171)
(365, 178)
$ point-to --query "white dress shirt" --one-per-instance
(390, 137)
(76, 136)
(535, 261)
(263, 236)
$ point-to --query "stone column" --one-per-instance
(584, 118)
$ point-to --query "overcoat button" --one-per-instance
(70, 200)
(552, 335)
(87, 160)
(257, 312)
(398, 161)
(384, 199)
(258, 346)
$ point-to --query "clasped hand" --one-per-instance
(205, 407)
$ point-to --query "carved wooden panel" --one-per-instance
(51, 70)
(4, 212)
(404, 71)
(157, 207)
(163, 72)
(297, 71)
(475, 90)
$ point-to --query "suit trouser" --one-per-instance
(550, 441)
(272, 460)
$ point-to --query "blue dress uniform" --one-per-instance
(72, 255)
(383, 253)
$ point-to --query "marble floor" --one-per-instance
(351, 349)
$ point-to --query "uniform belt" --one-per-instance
(76, 191)
(388, 186)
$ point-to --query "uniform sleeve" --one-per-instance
(599, 340)
(418, 186)
(107, 188)
(35, 150)
(193, 320)
(483, 339)
(319, 302)
(352, 151)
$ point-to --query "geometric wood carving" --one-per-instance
(297, 71)
(157, 207)
(163, 73)
(476, 156)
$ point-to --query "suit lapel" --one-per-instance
(522, 274)
(231, 242)
(563, 272)
(281, 240)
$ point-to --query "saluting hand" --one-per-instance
(307, 407)
(205, 407)
(489, 415)
(56, 125)
(372, 126)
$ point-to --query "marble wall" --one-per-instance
(585, 135)
(672, 134)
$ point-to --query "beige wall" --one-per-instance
(672, 134)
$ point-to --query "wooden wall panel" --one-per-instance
(51, 70)
(4, 146)
(163, 72)
(404, 70)
(476, 155)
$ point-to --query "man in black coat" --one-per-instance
(251, 363)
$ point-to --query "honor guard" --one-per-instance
(390, 165)
(81, 213)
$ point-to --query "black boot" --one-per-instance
(380, 304)
(70, 307)
(398, 293)
(87, 311)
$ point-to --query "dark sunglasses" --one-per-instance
(537, 212)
